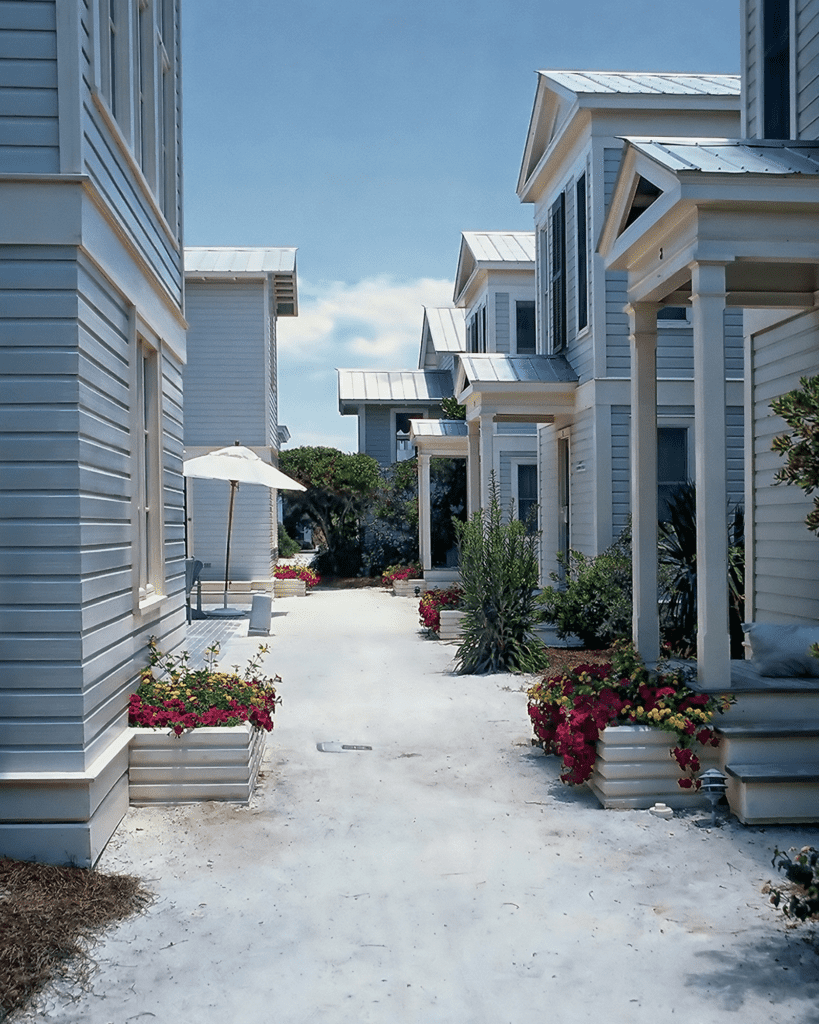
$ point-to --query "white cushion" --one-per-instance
(781, 651)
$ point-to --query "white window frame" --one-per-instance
(147, 505)
(687, 324)
(418, 414)
(586, 328)
(514, 464)
(680, 423)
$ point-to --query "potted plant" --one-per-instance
(635, 738)
(198, 734)
(404, 579)
(441, 612)
(294, 580)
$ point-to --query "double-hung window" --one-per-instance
(582, 254)
(525, 327)
(672, 465)
(776, 69)
(527, 495)
(557, 273)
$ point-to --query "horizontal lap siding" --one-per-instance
(250, 548)
(377, 439)
(618, 355)
(786, 580)
(502, 334)
(29, 132)
(620, 472)
(507, 463)
(582, 493)
(807, 70)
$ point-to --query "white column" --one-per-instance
(487, 454)
(646, 621)
(424, 511)
(473, 469)
(713, 643)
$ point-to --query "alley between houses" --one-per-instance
(445, 876)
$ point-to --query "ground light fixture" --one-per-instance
(712, 786)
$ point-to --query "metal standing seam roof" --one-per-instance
(447, 327)
(396, 386)
(731, 156)
(497, 368)
(645, 83)
(249, 260)
(439, 428)
(501, 246)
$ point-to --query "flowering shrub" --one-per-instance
(430, 605)
(392, 573)
(569, 711)
(183, 698)
(297, 572)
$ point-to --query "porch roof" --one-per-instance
(399, 387)
(440, 437)
(495, 367)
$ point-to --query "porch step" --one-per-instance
(769, 742)
(769, 793)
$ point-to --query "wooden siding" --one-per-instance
(377, 433)
(70, 641)
(250, 549)
(611, 168)
(786, 554)
(618, 351)
(124, 190)
(807, 69)
(582, 484)
(29, 126)
(506, 461)
(503, 341)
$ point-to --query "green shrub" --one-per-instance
(499, 574)
(593, 601)
(287, 546)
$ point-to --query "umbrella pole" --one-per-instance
(233, 486)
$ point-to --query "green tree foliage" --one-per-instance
(340, 487)
(452, 409)
(800, 448)
(499, 577)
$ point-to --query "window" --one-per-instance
(109, 36)
(672, 465)
(403, 447)
(557, 273)
(582, 257)
(525, 328)
(476, 331)
(776, 69)
(527, 495)
(147, 444)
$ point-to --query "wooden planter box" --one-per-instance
(451, 619)
(406, 588)
(635, 769)
(203, 764)
(289, 588)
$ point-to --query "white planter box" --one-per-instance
(203, 764)
(635, 769)
(289, 588)
(406, 588)
(450, 624)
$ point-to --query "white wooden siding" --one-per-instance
(502, 325)
(582, 486)
(29, 127)
(618, 353)
(786, 576)
(378, 441)
(807, 69)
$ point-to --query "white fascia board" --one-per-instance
(565, 138)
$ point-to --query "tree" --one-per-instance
(800, 410)
(339, 489)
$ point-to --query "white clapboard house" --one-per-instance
(725, 225)
(93, 344)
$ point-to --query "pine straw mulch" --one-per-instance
(48, 919)
(564, 659)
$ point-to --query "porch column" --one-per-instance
(473, 468)
(646, 620)
(487, 427)
(713, 644)
(424, 511)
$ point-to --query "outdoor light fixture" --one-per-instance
(713, 784)
(417, 591)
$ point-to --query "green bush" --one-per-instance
(593, 600)
(287, 546)
(499, 576)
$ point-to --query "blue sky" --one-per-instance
(371, 134)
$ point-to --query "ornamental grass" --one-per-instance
(570, 710)
(171, 695)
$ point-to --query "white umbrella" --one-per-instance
(237, 464)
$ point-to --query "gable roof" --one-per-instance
(561, 95)
(443, 330)
(395, 387)
(492, 250)
(731, 156)
(497, 368)
(224, 263)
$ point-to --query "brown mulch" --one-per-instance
(564, 659)
(48, 918)
(348, 583)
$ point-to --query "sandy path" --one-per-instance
(445, 876)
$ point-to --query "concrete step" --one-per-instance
(776, 792)
(773, 704)
(769, 742)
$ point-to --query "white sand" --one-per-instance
(445, 876)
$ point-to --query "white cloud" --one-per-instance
(375, 322)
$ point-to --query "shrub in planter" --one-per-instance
(568, 712)
(392, 573)
(297, 572)
(430, 605)
(172, 695)
(499, 576)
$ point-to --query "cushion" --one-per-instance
(780, 651)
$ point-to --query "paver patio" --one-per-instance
(444, 876)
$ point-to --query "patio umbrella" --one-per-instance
(237, 464)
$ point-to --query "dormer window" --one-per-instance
(776, 69)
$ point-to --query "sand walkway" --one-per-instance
(444, 877)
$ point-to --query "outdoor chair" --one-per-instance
(193, 570)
